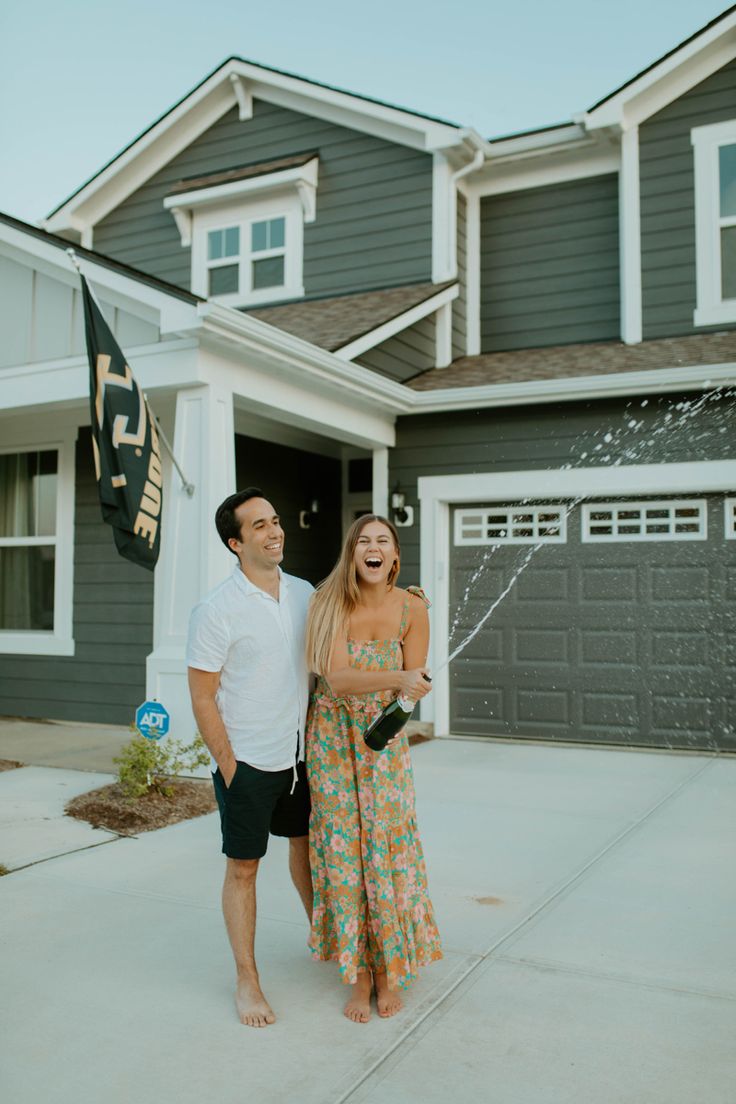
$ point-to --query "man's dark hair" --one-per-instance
(227, 524)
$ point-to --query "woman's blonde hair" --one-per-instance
(337, 596)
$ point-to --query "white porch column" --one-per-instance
(380, 481)
(192, 559)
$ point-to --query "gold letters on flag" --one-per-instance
(125, 444)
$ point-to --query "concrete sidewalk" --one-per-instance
(586, 901)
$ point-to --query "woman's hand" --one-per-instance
(415, 684)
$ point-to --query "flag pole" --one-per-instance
(187, 486)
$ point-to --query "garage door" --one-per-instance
(620, 628)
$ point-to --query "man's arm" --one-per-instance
(203, 686)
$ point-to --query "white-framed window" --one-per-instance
(714, 152)
(544, 524)
(729, 512)
(666, 520)
(250, 259)
(247, 236)
(36, 548)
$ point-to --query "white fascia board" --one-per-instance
(565, 137)
(208, 103)
(656, 381)
(347, 110)
(305, 175)
(146, 155)
(290, 356)
(515, 176)
(626, 479)
(59, 384)
(668, 80)
(305, 402)
(171, 313)
(395, 325)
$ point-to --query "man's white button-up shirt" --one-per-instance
(257, 645)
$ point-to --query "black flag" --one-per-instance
(125, 444)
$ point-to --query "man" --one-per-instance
(249, 686)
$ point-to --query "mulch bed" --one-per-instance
(109, 807)
(9, 764)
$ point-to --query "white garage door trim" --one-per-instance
(437, 493)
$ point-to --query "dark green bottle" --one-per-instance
(389, 722)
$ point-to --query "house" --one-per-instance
(523, 349)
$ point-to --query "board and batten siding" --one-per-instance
(666, 176)
(549, 436)
(105, 680)
(550, 265)
(406, 354)
(374, 203)
(459, 305)
(43, 319)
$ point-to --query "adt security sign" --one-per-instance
(152, 720)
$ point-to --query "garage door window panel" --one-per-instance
(511, 525)
(645, 521)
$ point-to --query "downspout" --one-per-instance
(478, 159)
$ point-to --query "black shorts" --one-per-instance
(258, 802)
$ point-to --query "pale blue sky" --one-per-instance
(80, 78)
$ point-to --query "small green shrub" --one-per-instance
(146, 766)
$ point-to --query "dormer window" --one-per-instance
(715, 222)
(246, 230)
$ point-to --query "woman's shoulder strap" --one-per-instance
(418, 593)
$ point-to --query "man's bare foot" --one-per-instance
(358, 1008)
(388, 1000)
(253, 1008)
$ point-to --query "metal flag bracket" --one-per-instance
(186, 485)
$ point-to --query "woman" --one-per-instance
(367, 641)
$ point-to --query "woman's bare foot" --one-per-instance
(253, 1008)
(358, 1008)
(388, 1000)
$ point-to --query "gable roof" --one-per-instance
(340, 320)
(572, 361)
(236, 83)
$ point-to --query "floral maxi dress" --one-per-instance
(371, 906)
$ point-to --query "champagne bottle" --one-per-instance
(390, 721)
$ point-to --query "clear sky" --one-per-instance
(80, 78)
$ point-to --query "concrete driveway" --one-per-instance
(586, 901)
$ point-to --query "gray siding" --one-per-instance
(550, 265)
(374, 203)
(105, 680)
(668, 203)
(42, 318)
(405, 355)
(459, 305)
(548, 436)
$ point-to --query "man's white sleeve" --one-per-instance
(208, 641)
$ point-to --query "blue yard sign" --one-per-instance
(152, 720)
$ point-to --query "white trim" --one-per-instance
(380, 482)
(302, 179)
(630, 238)
(244, 97)
(438, 493)
(61, 641)
(539, 524)
(711, 309)
(199, 110)
(442, 192)
(395, 325)
(520, 175)
(221, 217)
(656, 381)
(669, 78)
(642, 527)
(443, 336)
(173, 313)
(729, 518)
(472, 273)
